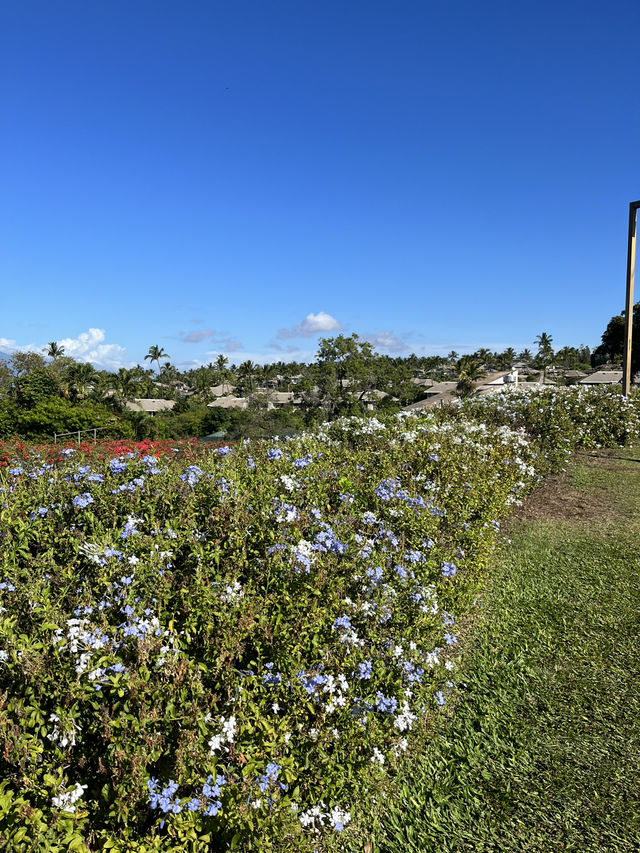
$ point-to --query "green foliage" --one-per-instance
(612, 347)
(57, 415)
(542, 752)
(280, 614)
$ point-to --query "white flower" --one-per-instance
(66, 800)
(377, 757)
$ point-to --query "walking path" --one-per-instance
(542, 752)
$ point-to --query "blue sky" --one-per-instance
(244, 177)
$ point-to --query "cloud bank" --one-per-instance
(312, 324)
(88, 346)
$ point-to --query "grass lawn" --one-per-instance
(542, 752)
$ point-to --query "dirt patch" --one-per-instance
(555, 500)
(610, 461)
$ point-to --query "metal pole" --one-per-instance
(628, 310)
(78, 436)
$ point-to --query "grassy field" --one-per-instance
(542, 752)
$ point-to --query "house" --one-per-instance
(602, 377)
(150, 406)
(229, 402)
(222, 389)
(373, 397)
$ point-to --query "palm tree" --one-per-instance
(246, 374)
(55, 350)
(468, 370)
(545, 351)
(155, 354)
(124, 383)
(81, 378)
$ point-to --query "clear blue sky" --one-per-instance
(242, 177)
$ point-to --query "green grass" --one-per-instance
(542, 751)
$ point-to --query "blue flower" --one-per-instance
(275, 453)
(386, 704)
(365, 670)
(448, 569)
(117, 466)
(83, 500)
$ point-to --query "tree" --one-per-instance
(345, 369)
(55, 350)
(124, 384)
(612, 347)
(80, 379)
(545, 351)
(469, 370)
(155, 354)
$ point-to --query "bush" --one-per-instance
(234, 649)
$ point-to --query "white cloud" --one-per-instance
(312, 324)
(88, 346)
(386, 341)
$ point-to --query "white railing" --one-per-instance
(78, 433)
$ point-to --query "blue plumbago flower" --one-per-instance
(303, 461)
(269, 776)
(327, 540)
(401, 572)
(117, 667)
(192, 475)
(5, 584)
(117, 466)
(439, 697)
(386, 704)
(434, 457)
(223, 451)
(448, 569)
(375, 574)
(113, 552)
(365, 670)
(450, 639)
(447, 619)
(69, 451)
(130, 528)
(414, 556)
(280, 546)
(95, 478)
(387, 489)
(164, 799)
(83, 500)
(273, 679)
(42, 511)
(275, 453)
(223, 485)
(311, 682)
(251, 465)
(342, 623)
(412, 672)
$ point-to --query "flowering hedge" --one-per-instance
(223, 650)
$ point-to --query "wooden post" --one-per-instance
(628, 310)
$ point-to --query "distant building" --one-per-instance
(150, 406)
(602, 377)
